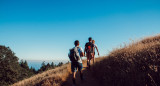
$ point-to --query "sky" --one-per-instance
(47, 29)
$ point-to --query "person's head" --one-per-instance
(76, 43)
(90, 39)
(93, 41)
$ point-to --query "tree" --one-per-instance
(11, 70)
(48, 66)
(60, 64)
(33, 70)
(52, 65)
(25, 70)
(24, 64)
(9, 66)
(43, 67)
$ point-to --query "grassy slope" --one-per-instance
(136, 64)
(60, 76)
(53, 77)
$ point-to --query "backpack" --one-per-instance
(74, 55)
(89, 47)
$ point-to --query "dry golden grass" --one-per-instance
(53, 77)
(136, 64)
(56, 77)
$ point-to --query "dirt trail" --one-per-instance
(89, 80)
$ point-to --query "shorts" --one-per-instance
(90, 56)
(75, 66)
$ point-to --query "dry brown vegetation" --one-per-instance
(53, 77)
(136, 64)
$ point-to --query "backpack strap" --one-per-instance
(77, 52)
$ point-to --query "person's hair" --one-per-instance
(93, 41)
(90, 38)
(76, 43)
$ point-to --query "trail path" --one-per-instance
(89, 79)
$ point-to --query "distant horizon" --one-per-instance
(67, 59)
(37, 63)
(47, 60)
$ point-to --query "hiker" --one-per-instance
(95, 47)
(89, 48)
(75, 56)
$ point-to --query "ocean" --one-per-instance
(38, 63)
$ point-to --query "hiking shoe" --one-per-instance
(87, 64)
(82, 78)
(74, 81)
(88, 67)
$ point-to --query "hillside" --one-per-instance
(53, 77)
(60, 76)
(136, 64)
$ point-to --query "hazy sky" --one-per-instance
(47, 29)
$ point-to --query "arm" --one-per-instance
(97, 50)
(69, 53)
(84, 50)
(82, 54)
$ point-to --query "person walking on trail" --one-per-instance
(89, 48)
(95, 47)
(75, 56)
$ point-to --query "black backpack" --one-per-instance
(74, 55)
(89, 47)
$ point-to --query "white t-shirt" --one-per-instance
(80, 50)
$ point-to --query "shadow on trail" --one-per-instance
(89, 79)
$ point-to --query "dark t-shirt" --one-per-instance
(89, 47)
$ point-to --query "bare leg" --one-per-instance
(93, 58)
(89, 63)
(90, 58)
(87, 60)
(74, 78)
(81, 74)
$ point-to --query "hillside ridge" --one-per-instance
(135, 64)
